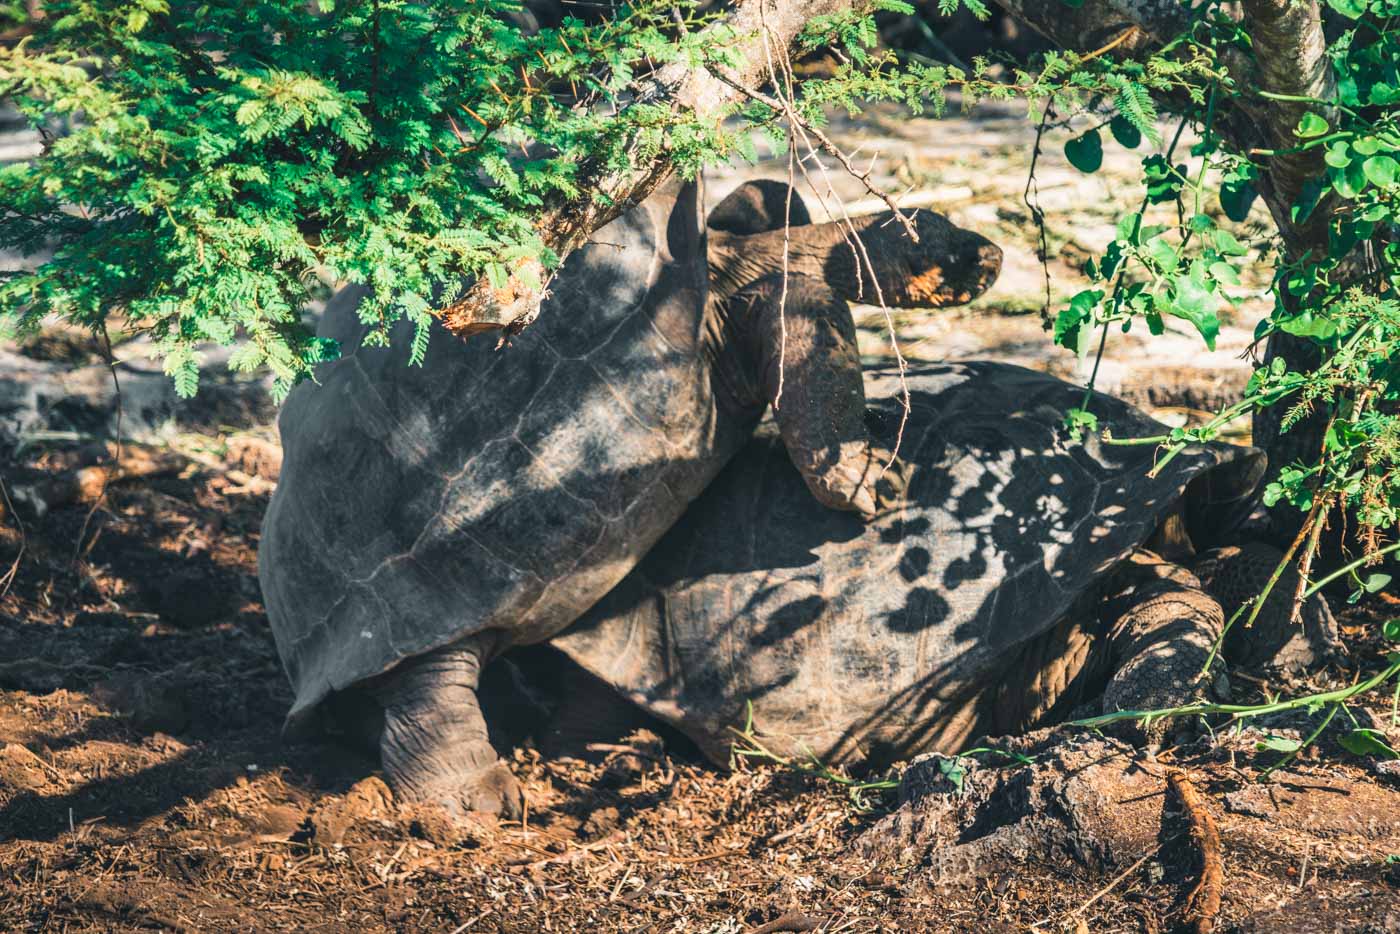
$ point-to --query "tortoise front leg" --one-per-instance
(1159, 642)
(809, 371)
(434, 745)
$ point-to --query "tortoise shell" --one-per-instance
(878, 640)
(494, 490)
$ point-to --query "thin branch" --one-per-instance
(831, 149)
(605, 193)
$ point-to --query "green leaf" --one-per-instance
(1195, 300)
(1381, 170)
(1163, 181)
(1085, 152)
(1351, 9)
(1223, 272)
(1338, 155)
(1226, 243)
(1079, 421)
(1129, 226)
(1309, 325)
(1390, 629)
(1311, 125)
(953, 770)
(1350, 181)
(1364, 742)
(1273, 743)
(1127, 135)
(1375, 582)
(1236, 198)
(1163, 254)
(1073, 325)
(1383, 94)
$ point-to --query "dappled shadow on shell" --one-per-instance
(877, 642)
(495, 489)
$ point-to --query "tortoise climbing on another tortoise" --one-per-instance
(1021, 576)
(427, 518)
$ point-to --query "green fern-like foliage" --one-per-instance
(220, 158)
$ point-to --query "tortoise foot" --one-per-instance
(434, 746)
(492, 790)
(460, 773)
(1234, 575)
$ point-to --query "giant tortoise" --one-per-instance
(1022, 576)
(427, 518)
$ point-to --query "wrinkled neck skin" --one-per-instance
(881, 263)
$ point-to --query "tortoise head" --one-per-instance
(871, 258)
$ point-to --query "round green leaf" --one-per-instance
(1236, 197)
(1311, 125)
(1085, 152)
(1338, 155)
(1381, 170)
(1391, 630)
(1128, 136)
(1351, 9)
(1348, 182)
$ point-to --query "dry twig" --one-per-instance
(1203, 904)
(789, 921)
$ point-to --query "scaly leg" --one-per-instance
(1236, 574)
(434, 746)
(1159, 643)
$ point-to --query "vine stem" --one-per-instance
(1312, 738)
(1348, 568)
(1246, 711)
(1118, 282)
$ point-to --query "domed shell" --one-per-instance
(486, 489)
(876, 641)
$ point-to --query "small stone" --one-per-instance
(1388, 769)
(1253, 800)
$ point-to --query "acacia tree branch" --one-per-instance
(567, 223)
(831, 149)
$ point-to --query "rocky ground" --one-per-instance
(144, 784)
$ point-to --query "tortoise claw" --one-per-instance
(492, 790)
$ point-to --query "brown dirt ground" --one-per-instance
(144, 785)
